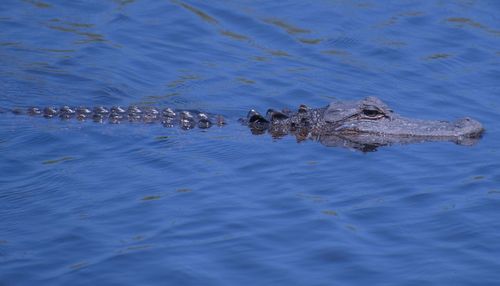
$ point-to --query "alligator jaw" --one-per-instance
(465, 131)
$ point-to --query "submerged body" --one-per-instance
(364, 124)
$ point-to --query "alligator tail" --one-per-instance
(167, 117)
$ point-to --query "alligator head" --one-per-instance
(365, 124)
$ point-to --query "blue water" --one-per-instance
(83, 203)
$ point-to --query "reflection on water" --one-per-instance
(461, 22)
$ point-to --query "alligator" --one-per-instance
(363, 124)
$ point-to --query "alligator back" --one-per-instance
(186, 119)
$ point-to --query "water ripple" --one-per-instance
(81, 200)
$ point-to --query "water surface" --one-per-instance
(132, 204)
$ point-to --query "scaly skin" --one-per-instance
(168, 117)
(364, 124)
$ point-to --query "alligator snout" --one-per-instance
(468, 127)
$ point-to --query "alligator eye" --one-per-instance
(372, 113)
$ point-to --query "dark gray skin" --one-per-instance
(364, 124)
(115, 115)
